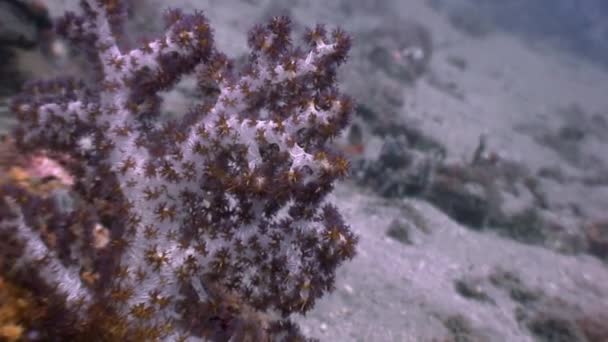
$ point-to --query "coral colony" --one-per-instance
(180, 230)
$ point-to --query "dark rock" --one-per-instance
(527, 227)
(23, 25)
(402, 50)
(394, 153)
(554, 173)
(461, 330)
(397, 172)
(571, 133)
(458, 62)
(597, 237)
(517, 290)
(467, 203)
(555, 319)
(553, 329)
(472, 289)
(400, 231)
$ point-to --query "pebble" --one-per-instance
(344, 311)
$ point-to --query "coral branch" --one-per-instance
(231, 198)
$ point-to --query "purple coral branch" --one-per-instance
(231, 197)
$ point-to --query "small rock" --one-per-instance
(458, 62)
(402, 51)
(472, 289)
(345, 311)
(400, 231)
(597, 236)
(349, 289)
